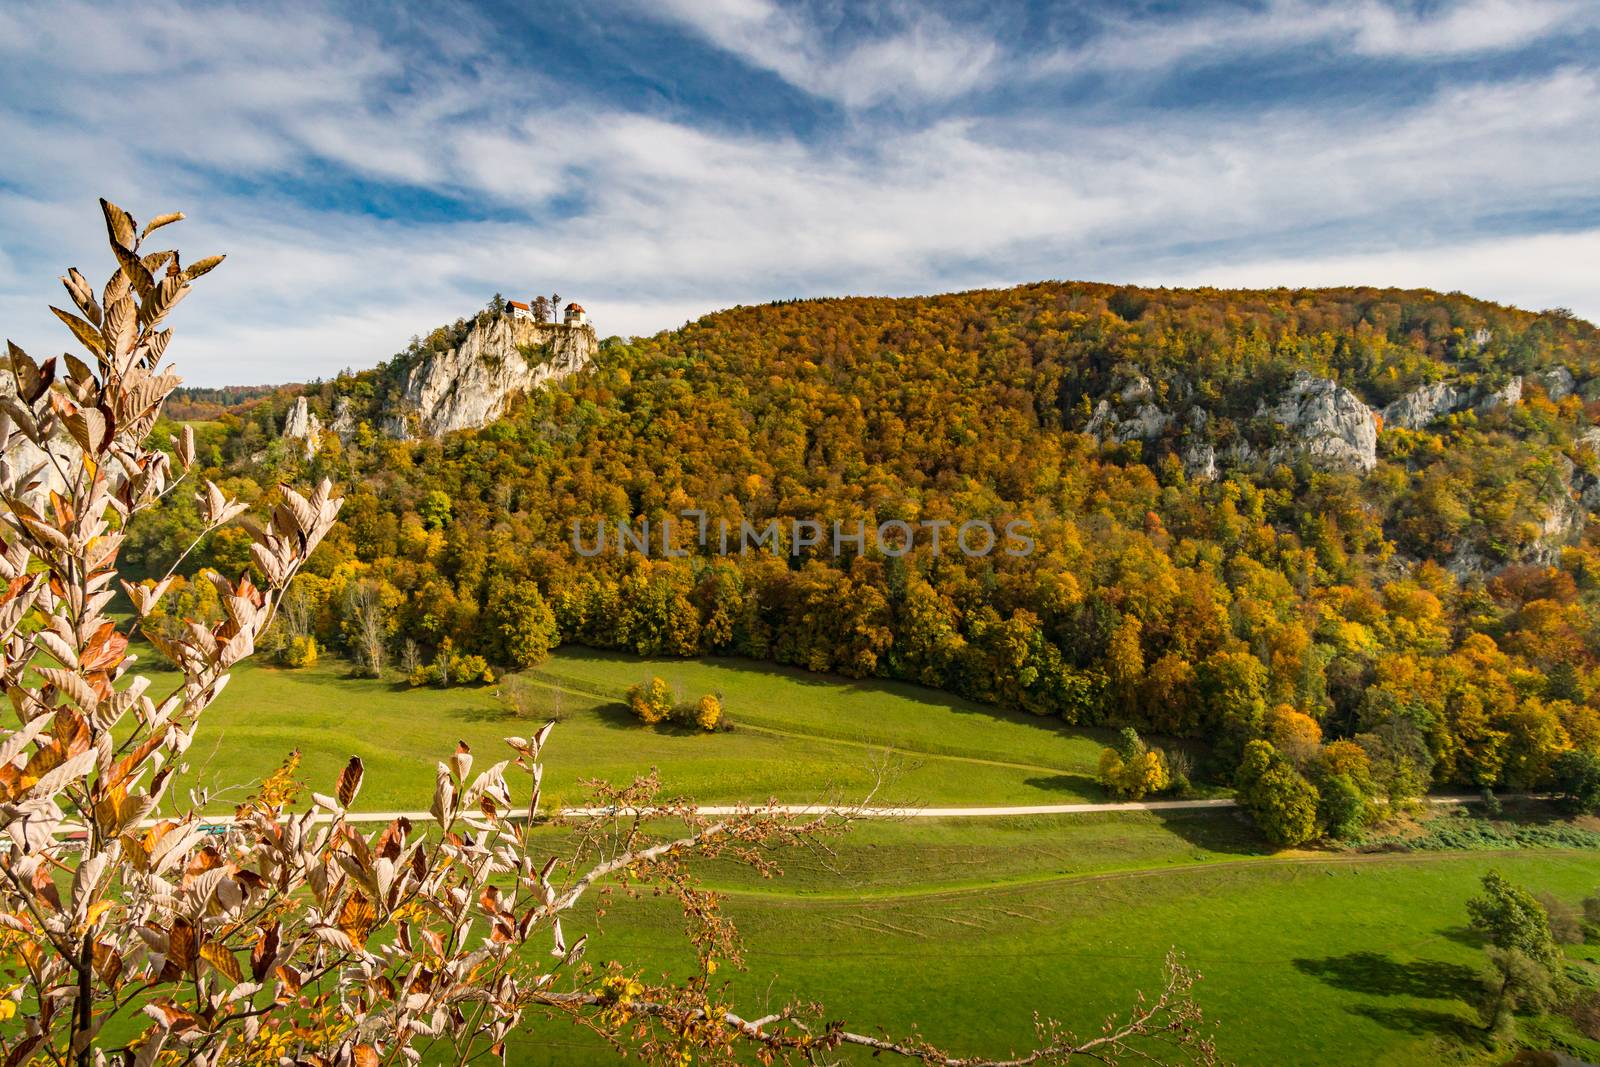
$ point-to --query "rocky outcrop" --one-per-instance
(344, 420)
(1326, 423)
(1558, 382)
(1134, 416)
(1435, 400)
(1508, 395)
(499, 359)
(1422, 405)
(303, 425)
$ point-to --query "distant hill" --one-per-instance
(1371, 507)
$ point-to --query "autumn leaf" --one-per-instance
(350, 782)
(219, 957)
(357, 918)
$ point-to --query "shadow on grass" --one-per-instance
(621, 717)
(1221, 830)
(1422, 1022)
(479, 713)
(909, 690)
(1381, 975)
(1463, 935)
(1080, 787)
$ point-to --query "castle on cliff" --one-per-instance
(533, 311)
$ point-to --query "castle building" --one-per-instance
(575, 315)
(519, 310)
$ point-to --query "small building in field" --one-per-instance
(575, 315)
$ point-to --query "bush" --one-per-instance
(708, 712)
(1132, 769)
(470, 670)
(425, 674)
(651, 702)
(298, 652)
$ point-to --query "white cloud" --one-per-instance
(660, 221)
(1540, 271)
(923, 58)
(1358, 27)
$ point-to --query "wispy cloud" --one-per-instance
(918, 56)
(369, 185)
(1366, 28)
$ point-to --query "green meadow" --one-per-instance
(797, 737)
(961, 928)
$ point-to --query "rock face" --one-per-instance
(1421, 406)
(1326, 423)
(304, 425)
(1558, 382)
(1135, 416)
(1424, 404)
(344, 420)
(500, 358)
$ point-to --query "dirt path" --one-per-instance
(979, 812)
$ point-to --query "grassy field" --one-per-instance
(962, 927)
(798, 737)
(1306, 960)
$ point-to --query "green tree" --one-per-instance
(1509, 917)
(1341, 807)
(1514, 983)
(435, 509)
(1575, 778)
(519, 622)
(1278, 797)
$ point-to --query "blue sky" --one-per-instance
(376, 169)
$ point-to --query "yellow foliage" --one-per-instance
(1293, 733)
(708, 712)
(1138, 776)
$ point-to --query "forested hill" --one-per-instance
(1366, 507)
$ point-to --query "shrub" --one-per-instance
(651, 702)
(470, 670)
(299, 652)
(1132, 769)
(708, 712)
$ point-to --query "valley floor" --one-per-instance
(962, 927)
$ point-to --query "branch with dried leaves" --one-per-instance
(293, 938)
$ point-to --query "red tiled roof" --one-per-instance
(517, 304)
(574, 307)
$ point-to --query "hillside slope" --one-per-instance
(1356, 512)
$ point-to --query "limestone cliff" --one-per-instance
(500, 358)
(1325, 422)
(302, 424)
(1428, 402)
